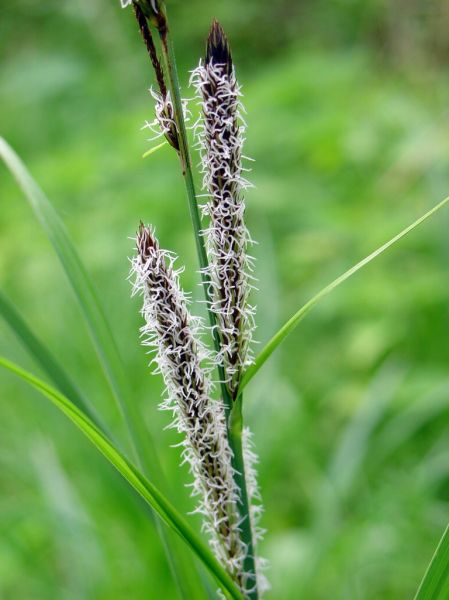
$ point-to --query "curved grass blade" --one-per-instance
(46, 360)
(92, 311)
(149, 492)
(292, 323)
(99, 329)
(435, 584)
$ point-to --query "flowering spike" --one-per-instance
(220, 136)
(173, 333)
(164, 122)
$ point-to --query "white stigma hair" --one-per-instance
(164, 123)
(220, 137)
(125, 3)
(256, 507)
(174, 336)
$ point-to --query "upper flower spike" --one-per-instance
(220, 137)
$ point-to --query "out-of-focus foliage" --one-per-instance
(347, 114)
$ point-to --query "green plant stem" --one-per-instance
(233, 409)
(236, 443)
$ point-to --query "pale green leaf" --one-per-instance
(154, 149)
(90, 306)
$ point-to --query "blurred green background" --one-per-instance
(347, 111)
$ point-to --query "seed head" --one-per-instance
(164, 123)
(220, 136)
(174, 334)
(151, 48)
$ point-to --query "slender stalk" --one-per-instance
(233, 410)
(236, 443)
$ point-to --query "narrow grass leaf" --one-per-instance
(147, 490)
(45, 359)
(293, 322)
(63, 382)
(435, 584)
(93, 313)
(154, 149)
(98, 326)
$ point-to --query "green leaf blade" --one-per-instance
(147, 490)
(187, 588)
(294, 321)
(100, 332)
(154, 149)
(45, 359)
(435, 583)
(90, 306)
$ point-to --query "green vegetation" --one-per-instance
(351, 413)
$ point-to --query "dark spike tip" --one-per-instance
(145, 240)
(217, 50)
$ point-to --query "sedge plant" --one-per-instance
(215, 443)
(205, 365)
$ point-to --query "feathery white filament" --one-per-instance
(251, 460)
(125, 3)
(164, 123)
